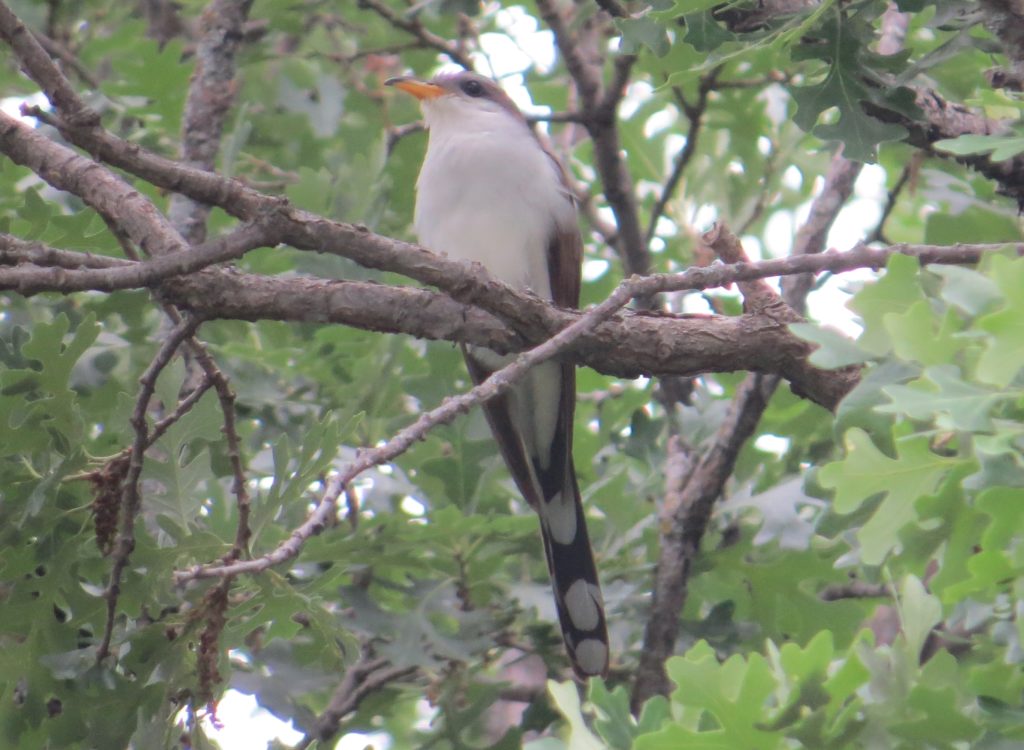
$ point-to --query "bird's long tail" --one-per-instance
(574, 579)
(532, 425)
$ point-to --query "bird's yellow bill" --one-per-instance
(419, 89)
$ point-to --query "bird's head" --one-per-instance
(465, 100)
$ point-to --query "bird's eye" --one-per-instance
(472, 88)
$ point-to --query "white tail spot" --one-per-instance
(583, 601)
(591, 656)
(560, 514)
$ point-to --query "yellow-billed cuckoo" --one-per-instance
(489, 192)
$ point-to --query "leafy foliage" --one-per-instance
(914, 488)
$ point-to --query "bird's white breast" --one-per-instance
(488, 193)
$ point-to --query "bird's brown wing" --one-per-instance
(565, 263)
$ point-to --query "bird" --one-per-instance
(490, 192)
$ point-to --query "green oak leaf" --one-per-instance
(919, 613)
(998, 147)
(1003, 358)
(638, 33)
(843, 42)
(915, 338)
(944, 396)
(895, 292)
(970, 290)
(735, 693)
(866, 472)
(567, 700)
(615, 723)
(834, 348)
(998, 559)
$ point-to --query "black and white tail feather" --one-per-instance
(549, 485)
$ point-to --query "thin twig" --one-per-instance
(226, 397)
(878, 233)
(855, 589)
(414, 27)
(131, 498)
(398, 132)
(695, 114)
(61, 52)
(110, 274)
(159, 428)
(575, 117)
(366, 676)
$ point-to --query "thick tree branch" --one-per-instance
(627, 345)
(812, 236)
(33, 264)
(599, 111)
(494, 386)
(686, 513)
(210, 95)
(307, 231)
(944, 119)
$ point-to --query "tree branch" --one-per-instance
(695, 114)
(686, 514)
(812, 236)
(494, 386)
(131, 499)
(878, 233)
(599, 111)
(418, 30)
(627, 345)
(613, 8)
(102, 190)
(366, 676)
(40, 67)
(53, 270)
(210, 96)
(1005, 19)
(943, 119)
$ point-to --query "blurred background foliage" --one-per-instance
(912, 491)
